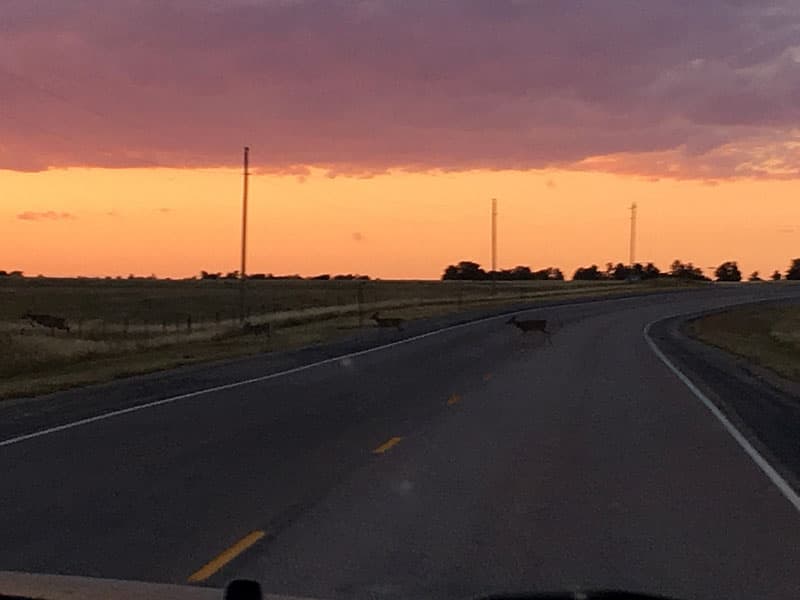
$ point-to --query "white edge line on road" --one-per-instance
(292, 371)
(737, 435)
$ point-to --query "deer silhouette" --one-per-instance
(47, 321)
(388, 321)
(531, 325)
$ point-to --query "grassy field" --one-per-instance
(769, 337)
(124, 327)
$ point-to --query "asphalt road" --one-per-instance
(504, 464)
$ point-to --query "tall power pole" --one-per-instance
(243, 269)
(494, 246)
(632, 254)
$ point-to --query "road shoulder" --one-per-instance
(763, 406)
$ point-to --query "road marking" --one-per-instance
(227, 556)
(387, 445)
(737, 435)
(453, 399)
(292, 371)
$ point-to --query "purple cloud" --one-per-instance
(49, 215)
(681, 89)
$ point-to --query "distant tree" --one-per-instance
(520, 273)
(588, 274)
(232, 275)
(686, 271)
(257, 276)
(3, 273)
(776, 275)
(620, 272)
(465, 270)
(650, 271)
(794, 270)
(754, 276)
(323, 277)
(549, 274)
(351, 277)
(207, 275)
(728, 271)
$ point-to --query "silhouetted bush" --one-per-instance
(728, 271)
(351, 277)
(794, 270)
(472, 271)
(776, 275)
(588, 274)
(687, 271)
(549, 274)
(650, 271)
(754, 276)
(465, 270)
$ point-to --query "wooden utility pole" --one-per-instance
(494, 246)
(243, 269)
(632, 253)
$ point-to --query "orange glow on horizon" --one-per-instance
(173, 222)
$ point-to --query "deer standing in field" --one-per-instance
(531, 325)
(47, 321)
(388, 321)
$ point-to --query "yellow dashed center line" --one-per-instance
(387, 445)
(227, 556)
(453, 399)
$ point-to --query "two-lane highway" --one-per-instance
(469, 461)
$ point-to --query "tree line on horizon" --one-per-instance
(207, 275)
(472, 271)
(727, 271)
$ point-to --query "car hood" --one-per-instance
(65, 587)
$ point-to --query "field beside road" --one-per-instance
(766, 336)
(125, 327)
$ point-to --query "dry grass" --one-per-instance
(769, 337)
(120, 328)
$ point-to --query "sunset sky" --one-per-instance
(381, 129)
